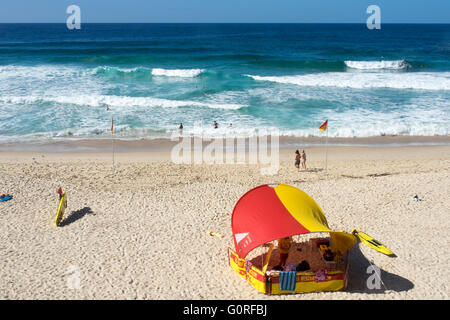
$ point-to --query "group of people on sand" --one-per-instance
(300, 160)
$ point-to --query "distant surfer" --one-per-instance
(230, 125)
(107, 108)
(216, 125)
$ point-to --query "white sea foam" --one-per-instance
(39, 72)
(413, 80)
(62, 100)
(418, 118)
(46, 71)
(375, 65)
(183, 73)
(117, 101)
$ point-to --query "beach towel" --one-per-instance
(5, 197)
(288, 280)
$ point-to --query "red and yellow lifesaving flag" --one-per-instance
(324, 126)
(112, 126)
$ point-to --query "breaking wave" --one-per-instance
(118, 101)
(183, 73)
(417, 80)
(377, 65)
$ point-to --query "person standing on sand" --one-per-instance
(303, 159)
(297, 160)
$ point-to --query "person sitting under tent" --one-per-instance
(284, 245)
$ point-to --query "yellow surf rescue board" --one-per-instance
(371, 242)
(61, 208)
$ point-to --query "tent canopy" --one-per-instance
(268, 213)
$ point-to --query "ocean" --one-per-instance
(55, 83)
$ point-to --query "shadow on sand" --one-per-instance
(76, 215)
(385, 174)
(350, 176)
(312, 170)
(357, 276)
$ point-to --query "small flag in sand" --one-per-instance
(324, 126)
(112, 140)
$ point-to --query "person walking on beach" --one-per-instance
(297, 160)
(180, 128)
(303, 159)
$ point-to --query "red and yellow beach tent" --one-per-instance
(269, 213)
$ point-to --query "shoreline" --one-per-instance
(166, 144)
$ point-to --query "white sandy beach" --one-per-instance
(140, 232)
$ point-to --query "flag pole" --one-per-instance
(326, 153)
(322, 128)
(112, 138)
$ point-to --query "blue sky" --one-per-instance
(306, 11)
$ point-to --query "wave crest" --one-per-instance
(180, 73)
(416, 80)
(183, 73)
(118, 101)
(377, 65)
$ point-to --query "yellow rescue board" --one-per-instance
(371, 242)
(61, 208)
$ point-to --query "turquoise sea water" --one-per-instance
(55, 82)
